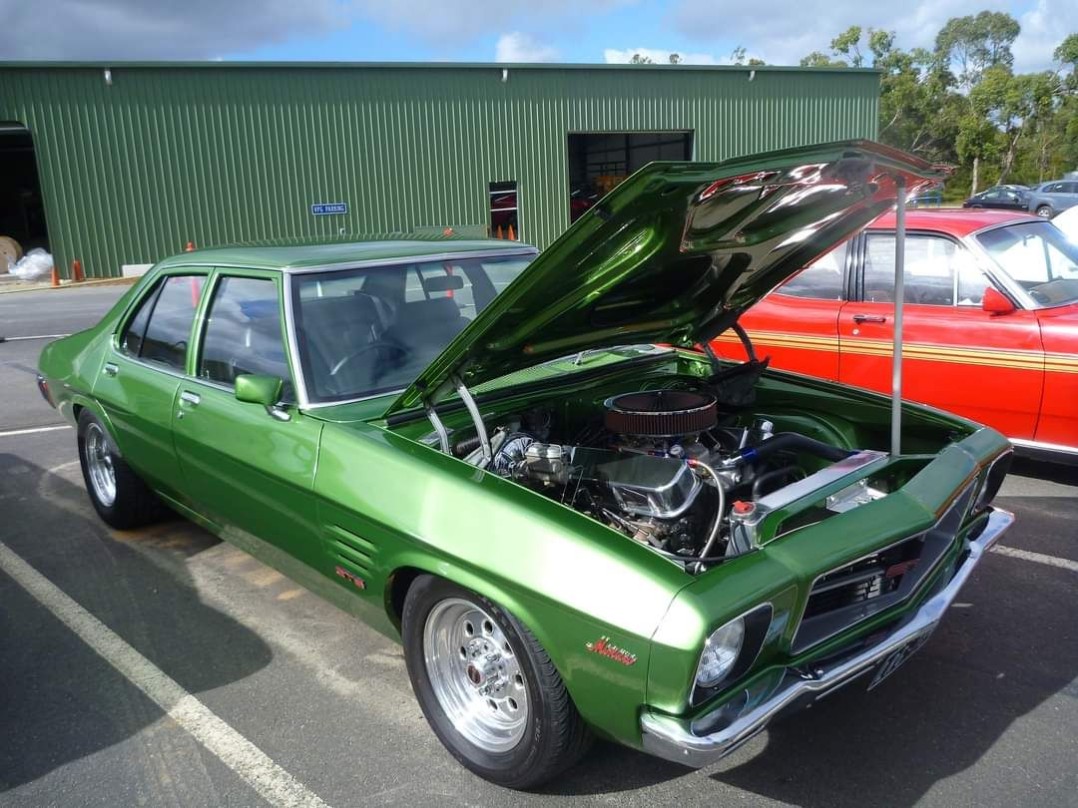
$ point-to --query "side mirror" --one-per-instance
(256, 388)
(995, 302)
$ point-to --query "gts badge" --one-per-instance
(603, 647)
(343, 573)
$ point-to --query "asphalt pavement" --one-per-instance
(986, 714)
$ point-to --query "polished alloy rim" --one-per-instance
(475, 675)
(99, 464)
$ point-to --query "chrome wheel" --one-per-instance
(475, 675)
(99, 465)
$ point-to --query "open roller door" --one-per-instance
(22, 209)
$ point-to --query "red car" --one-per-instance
(990, 329)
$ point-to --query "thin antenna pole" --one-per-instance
(900, 304)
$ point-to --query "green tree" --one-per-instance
(848, 44)
(821, 59)
(974, 44)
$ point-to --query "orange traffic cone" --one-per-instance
(512, 235)
(55, 276)
(190, 247)
(499, 233)
(76, 271)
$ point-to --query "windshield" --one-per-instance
(1039, 258)
(366, 331)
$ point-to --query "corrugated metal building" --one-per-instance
(133, 161)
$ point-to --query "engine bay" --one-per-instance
(672, 469)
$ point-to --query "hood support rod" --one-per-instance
(900, 303)
(439, 427)
(477, 418)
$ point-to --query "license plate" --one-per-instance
(894, 660)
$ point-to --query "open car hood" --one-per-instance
(674, 255)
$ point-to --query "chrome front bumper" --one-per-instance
(696, 743)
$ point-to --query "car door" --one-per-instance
(797, 324)
(956, 356)
(249, 469)
(140, 377)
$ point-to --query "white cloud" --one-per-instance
(658, 55)
(783, 31)
(518, 47)
(1043, 29)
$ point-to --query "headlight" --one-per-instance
(720, 653)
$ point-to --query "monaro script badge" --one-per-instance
(603, 647)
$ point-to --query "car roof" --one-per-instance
(308, 255)
(960, 222)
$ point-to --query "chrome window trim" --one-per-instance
(408, 259)
(292, 341)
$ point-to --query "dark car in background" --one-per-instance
(1005, 197)
(1049, 198)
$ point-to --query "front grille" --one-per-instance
(868, 578)
(860, 589)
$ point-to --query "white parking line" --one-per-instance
(272, 783)
(12, 432)
(1038, 558)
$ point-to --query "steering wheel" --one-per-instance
(381, 346)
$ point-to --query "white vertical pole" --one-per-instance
(900, 302)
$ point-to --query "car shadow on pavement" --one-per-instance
(59, 700)
(1001, 652)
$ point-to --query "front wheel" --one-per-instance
(120, 498)
(487, 687)
(1044, 211)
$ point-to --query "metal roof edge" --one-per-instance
(26, 64)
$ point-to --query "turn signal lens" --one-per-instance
(720, 653)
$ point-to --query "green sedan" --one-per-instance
(577, 523)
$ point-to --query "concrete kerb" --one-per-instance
(65, 284)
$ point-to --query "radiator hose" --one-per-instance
(786, 441)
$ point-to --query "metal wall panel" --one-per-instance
(134, 169)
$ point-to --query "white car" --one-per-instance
(1067, 221)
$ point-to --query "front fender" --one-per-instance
(577, 586)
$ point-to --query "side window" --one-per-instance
(931, 266)
(169, 328)
(131, 340)
(243, 332)
(822, 279)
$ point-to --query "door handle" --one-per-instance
(188, 397)
(869, 318)
(110, 369)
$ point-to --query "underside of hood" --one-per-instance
(674, 255)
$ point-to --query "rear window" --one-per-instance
(373, 330)
(160, 330)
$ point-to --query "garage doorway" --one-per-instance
(599, 161)
(22, 211)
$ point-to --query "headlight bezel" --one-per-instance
(755, 623)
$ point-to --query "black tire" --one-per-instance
(134, 504)
(555, 736)
(1044, 211)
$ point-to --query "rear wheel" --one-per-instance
(487, 687)
(120, 498)
(1044, 211)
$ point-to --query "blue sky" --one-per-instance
(703, 31)
(780, 31)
